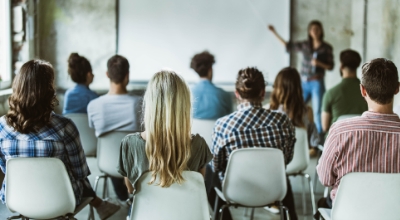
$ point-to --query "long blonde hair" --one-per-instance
(167, 115)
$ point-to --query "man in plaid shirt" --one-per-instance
(252, 126)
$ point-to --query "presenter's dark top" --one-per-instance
(324, 54)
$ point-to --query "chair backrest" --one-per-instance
(204, 128)
(255, 177)
(185, 201)
(86, 133)
(301, 157)
(347, 116)
(108, 147)
(38, 188)
(368, 196)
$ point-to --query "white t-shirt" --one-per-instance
(115, 113)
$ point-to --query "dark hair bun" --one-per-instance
(78, 67)
(250, 82)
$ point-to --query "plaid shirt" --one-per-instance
(251, 126)
(59, 139)
(324, 54)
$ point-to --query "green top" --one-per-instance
(344, 99)
(133, 160)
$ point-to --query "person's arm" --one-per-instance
(326, 120)
(202, 171)
(75, 153)
(289, 129)
(327, 163)
(327, 66)
(272, 29)
(129, 185)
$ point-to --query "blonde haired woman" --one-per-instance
(166, 148)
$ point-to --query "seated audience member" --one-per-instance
(374, 136)
(167, 119)
(76, 99)
(345, 97)
(235, 131)
(116, 111)
(210, 102)
(31, 129)
(287, 97)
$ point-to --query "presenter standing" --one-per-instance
(317, 57)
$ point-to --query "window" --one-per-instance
(5, 44)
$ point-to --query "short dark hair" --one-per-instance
(78, 67)
(202, 62)
(380, 79)
(249, 83)
(350, 59)
(117, 68)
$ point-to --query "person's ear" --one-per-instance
(364, 91)
(238, 95)
(262, 94)
(397, 90)
(108, 76)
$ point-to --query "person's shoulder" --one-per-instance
(94, 103)
(346, 125)
(328, 45)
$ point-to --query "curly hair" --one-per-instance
(202, 62)
(288, 92)
(33, 98)
(250, 83)
(78, 68)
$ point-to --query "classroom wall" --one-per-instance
(89, 27)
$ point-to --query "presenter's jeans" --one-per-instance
(314, 90)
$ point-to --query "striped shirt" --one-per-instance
(251, 126)
(369, 143)
(59, 139)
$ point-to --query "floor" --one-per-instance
(238, 213)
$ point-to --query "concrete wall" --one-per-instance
(87, 27)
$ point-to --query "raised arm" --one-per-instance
(272, 29)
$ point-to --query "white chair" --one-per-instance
(86, 133)
(204, 128)
(40, 188)
(299, 163)
(347, 116)
(254, 177)
(108, 147)
(178, 201)
(367, 196)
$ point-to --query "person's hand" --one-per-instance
(271, 28)
(314, 62)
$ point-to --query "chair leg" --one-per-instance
(216, 207)
(96, 182)
(281, 207)
(105, 193)
(15, 217)
(91, 213)
(303, 196)
(308, 177)
(252, 214)
(221, 211)
(287, 212)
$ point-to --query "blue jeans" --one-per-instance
(315, 90)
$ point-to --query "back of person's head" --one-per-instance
(167, 115)
(250, 84)
(33, 98)
(202, 63)
(117, 68)
(380, 79)
(316, 23)
(78, 68)
(350, 59)
(288, 93)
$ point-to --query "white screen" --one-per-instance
(156, 34)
